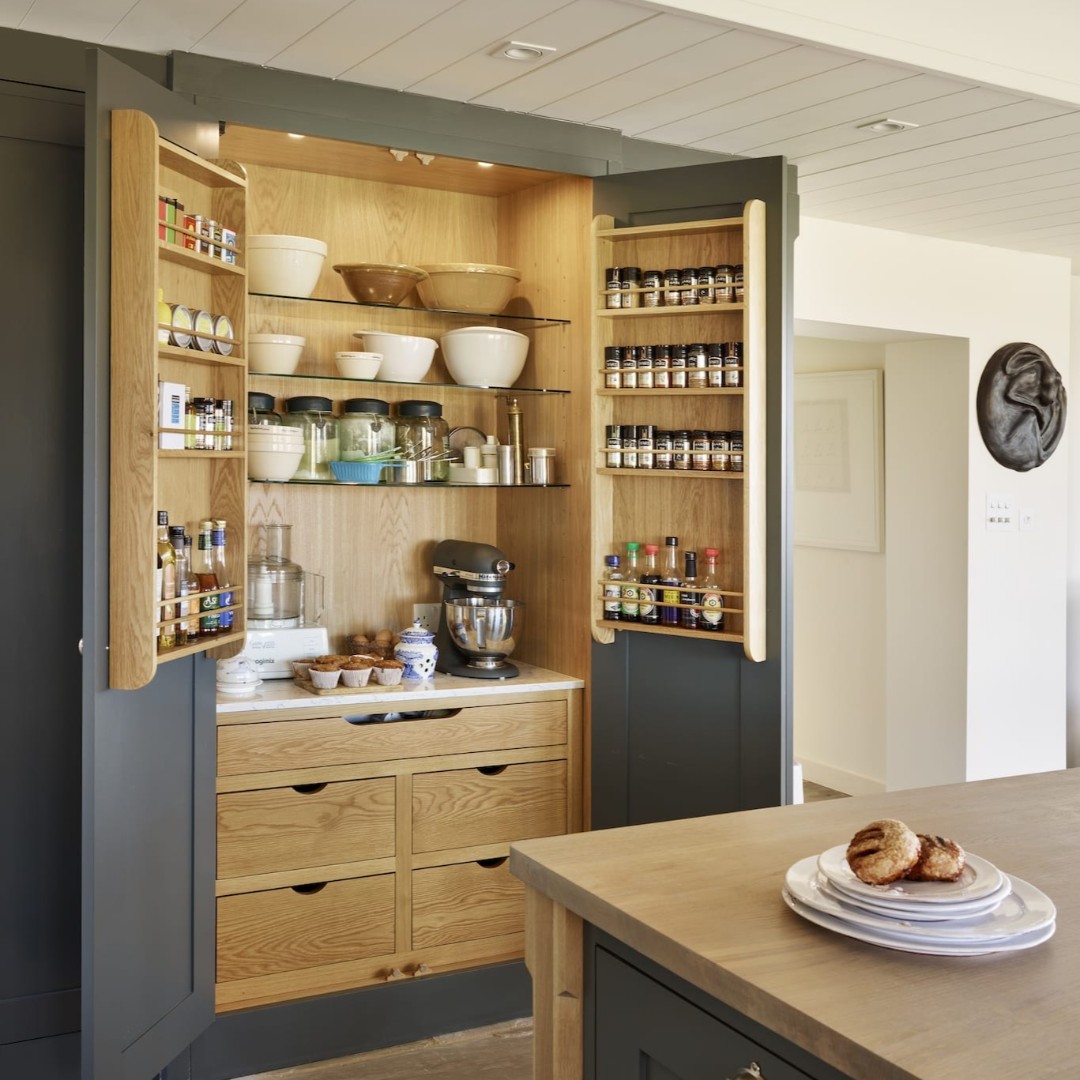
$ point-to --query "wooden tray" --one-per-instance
(311, 688)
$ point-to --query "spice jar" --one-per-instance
(315, 418)
(261, 410)
(422, 434)
(365, 428)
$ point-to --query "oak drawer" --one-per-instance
(320, 741)
(306, 926)
(464, 807)
(466, 902)
(277, 829)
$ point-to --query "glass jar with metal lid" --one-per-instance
(261, 410)
(314, 416)
(364, 428)
(422, 435)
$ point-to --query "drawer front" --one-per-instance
(288, 929)
(277, 829)
(319, 741)
(464, 807)
(466, 902)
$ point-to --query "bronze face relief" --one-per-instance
(1021, 406)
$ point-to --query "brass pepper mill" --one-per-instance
(516, 438)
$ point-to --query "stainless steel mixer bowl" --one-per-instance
(486, 630)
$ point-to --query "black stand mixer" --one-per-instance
(478, 629)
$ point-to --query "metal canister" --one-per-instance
(613, 446)
(613, 356)
(646, 445)
(223, 328)
(651, 281)
(613, 297)
(678, 367)
(645, 359)
(629, 446)
(688, 279)
(672, 281)
(629, 280)
(663, 449)
(629, 367)
(181, 321)
(725, 283)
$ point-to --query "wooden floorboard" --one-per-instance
(500, 1052)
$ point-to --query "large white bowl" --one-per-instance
(273, 464)
(405, 357)
(484, 355)
(284, 265)
(275, 354)
(358, 365)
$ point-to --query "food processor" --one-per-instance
(285, 608)
(478, 629)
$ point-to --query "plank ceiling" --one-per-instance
(983, 165)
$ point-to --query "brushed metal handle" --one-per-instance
(749, 1072)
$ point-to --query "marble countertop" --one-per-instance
(284, 694)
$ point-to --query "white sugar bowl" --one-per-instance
(416, 649)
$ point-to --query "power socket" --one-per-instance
(428, 615)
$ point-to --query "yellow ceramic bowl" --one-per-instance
(472, 287)
(379, 283)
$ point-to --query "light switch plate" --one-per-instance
(1000, 512)
(428, 614)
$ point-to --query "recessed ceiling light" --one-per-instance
(293, 135)
(486, 164)
(886, 126)
(522, 51)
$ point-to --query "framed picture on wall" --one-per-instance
(840, 460)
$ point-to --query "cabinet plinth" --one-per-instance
(634, 504)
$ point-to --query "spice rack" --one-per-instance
(190, 484)
(634, 504)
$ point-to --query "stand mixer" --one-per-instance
(478, 629)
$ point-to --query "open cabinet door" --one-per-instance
(148, 754)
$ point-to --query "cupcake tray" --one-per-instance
(339, 690)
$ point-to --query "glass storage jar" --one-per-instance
(261, 410)
(422, 434)
(314, 416)
(364, 428)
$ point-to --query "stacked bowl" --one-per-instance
(274, 451)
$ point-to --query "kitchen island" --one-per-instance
(683, 921)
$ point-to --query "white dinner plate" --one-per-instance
(919, 912)
(979, 878)
(1024, 910)
(928, 948)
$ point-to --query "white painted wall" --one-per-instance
(991, 42)
(1014, 721)
(839, 632)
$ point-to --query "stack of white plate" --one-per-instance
(984, 911)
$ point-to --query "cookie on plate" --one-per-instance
(883, 851)
(940, 859)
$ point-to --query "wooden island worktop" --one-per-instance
(701, 899)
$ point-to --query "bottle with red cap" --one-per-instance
(710, 598)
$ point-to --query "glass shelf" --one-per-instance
(374, 384)
(426, 486)
(537, 321)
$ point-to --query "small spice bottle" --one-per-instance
(678, 367)
(725, 283)
(663, 449)
(646, 443)
(629, 368)
(651, 281)
(672, 281)
(613, 357)
(613, 446)
(688, 279)
(629, 280)
(612, 285)
(646, 356)
(661, 373)
(706, 278)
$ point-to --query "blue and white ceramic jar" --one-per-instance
(417, 651)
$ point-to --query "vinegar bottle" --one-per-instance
(648, 611)
(209, 620)
(612, 589)
(166, 583)
(629, 609)
(689, 616)
(712, 603)
(669, 578)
